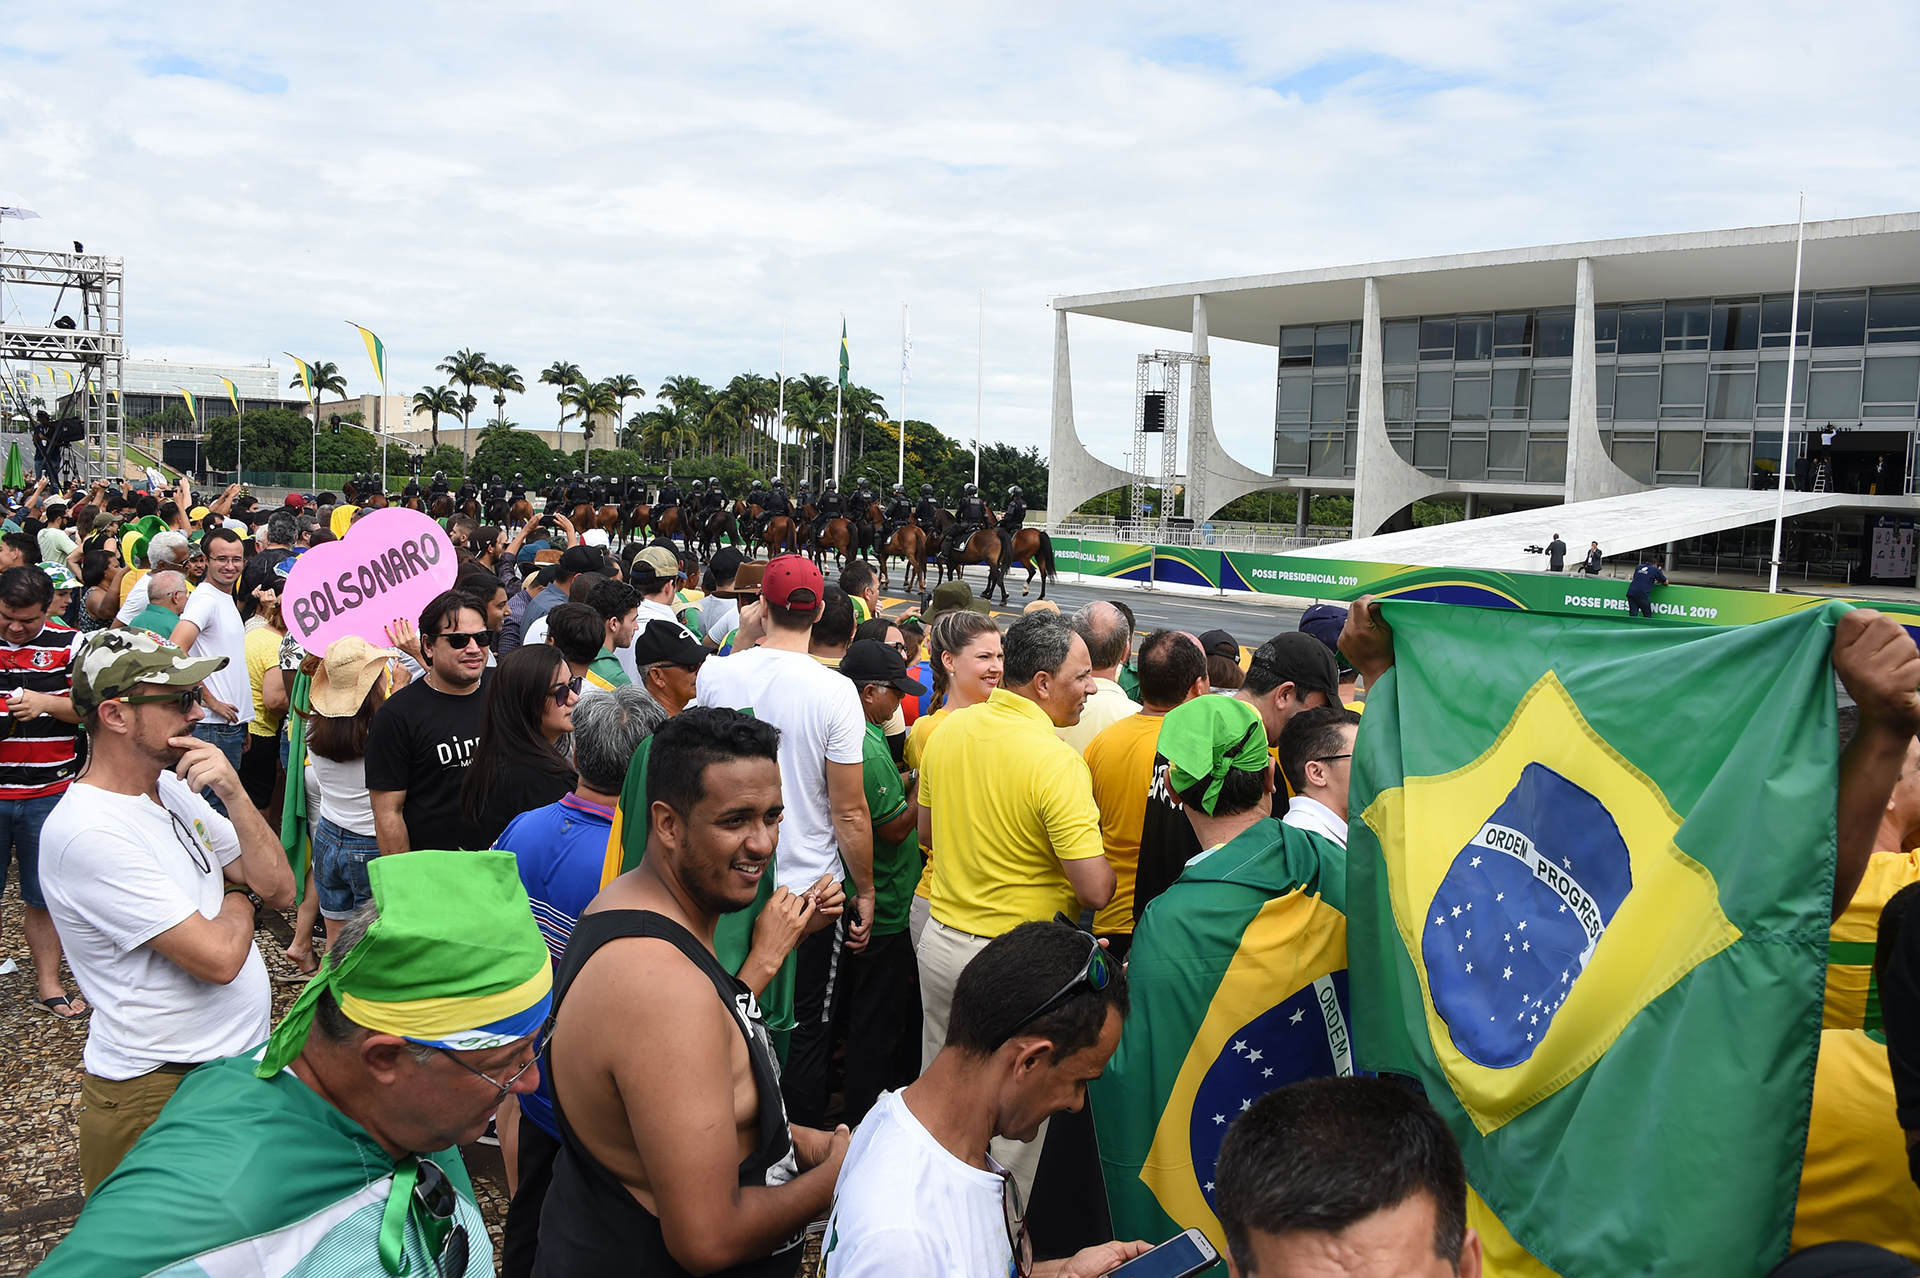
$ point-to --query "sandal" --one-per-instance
(302, 972)
(52, 1006)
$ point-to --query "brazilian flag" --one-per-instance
(733, 938)
(1589, 885)
(1238, 984)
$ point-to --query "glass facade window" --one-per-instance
(1730, 393)
(1296, 398)
(1840, 319)
(1640, 329)
(1835, 391)
(1507, 454)
(1736, 326)
(1726, 462)
(1400, 342)
(1473, 337)
(1430, 450)
(1290, 451)
(1510, 393)
(1470, 397)
(1679, 453)
(1606, 329)
(1467, 458)
(1636, 397)
(1890, 386)
(1551, 397)
(1436, 339)
(1635, 456)
(1328, 455)
(1603, 390)
(1399, 399)
(1331, 342)
(1296, 347)
(1553, 334)
(1776, 311)
(1893, 315)
(1687, 325)
(1547, 461)
(1513, 335)
(1435, 396)
(1683, 390)
(1772, 386)
(1330, 401)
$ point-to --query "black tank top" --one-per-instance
(591, 1223)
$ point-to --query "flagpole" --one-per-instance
(779, 446)
(1786, 413)
(979, 385)
(906, 361)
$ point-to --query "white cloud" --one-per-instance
(652, 189)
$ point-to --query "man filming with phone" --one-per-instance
(1035, 1016)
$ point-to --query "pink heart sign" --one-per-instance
(390, 565)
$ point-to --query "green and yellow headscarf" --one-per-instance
(455, 959)
(1205, 738)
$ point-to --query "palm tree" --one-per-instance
(435, 400)
(624, 387)
(326, 377)
(562, 373)
(469, 368)
(663, 430)
(587, 401)
(503, 378)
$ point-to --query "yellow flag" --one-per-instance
(376, 351)
(233, 394)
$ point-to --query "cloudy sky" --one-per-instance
(654, 189)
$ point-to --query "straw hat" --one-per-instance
(346, 673)
(746, 582)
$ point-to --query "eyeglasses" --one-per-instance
(1096, 975)
(195, 848)
(459, 639)
(434, 1195)
(571, 688)
(187, 699)
(1329, 758)
(500, 1089)
(1015, 1215)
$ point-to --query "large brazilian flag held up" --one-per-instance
(1588, 891)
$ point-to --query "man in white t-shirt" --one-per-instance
(1035, 1017)
(656, 575)
(1316, 757)
(826, 829)
(210, 626)
(147, 885)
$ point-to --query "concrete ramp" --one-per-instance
(1621, 525)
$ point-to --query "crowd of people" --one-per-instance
(738, 909)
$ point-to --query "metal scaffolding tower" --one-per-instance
(1167, 420)
(89, 349)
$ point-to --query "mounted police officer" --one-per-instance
(1016, 512)
(597, 490)
(412, 491)
(439, 488)
(895, 516)
(927, 511)
(716, 497)
(517, 490)
(496, 498)
(577, 493)
(972, 516)
(775, 503)
(830, 506)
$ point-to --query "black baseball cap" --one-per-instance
(1302, 660)
(1218, 643)
(667, 641)
(870, 661)
(578, 559)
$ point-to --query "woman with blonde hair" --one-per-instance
(964, 650)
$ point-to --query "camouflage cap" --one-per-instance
(112, 663)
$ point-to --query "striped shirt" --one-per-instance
(40, 757)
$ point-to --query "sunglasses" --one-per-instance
(571, 688)
(1096, 974)
(186, 699)
(458, 639)
(195, 849)
(1015, 1217)
(437, 1202)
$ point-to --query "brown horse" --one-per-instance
(990, 546)
(836, 535)
(377, 501)
(634, 522)
(580, 515)
(781, 536)
(909, 542)
(520, 514)
(1034, 548)
(442, 507)
(607, 519)
(668, 523)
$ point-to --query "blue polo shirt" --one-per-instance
(560, 850)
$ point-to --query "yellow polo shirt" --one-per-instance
(917, 737)
(1854, 1183)
(1852, 1000)
(1009, 802)
(1120, 760)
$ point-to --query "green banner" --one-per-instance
(1104, 558)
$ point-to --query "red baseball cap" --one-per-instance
(295, 501)
(794, 583)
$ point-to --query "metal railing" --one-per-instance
(1230, 535)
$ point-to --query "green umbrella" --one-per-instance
(16, 476)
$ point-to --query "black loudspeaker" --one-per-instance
(69, 430)
(183, 455)
(1156, 412)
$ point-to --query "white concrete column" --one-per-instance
(1300, 512)
(1074, 474)
(1591, 473)
(1473, 506)
(1199, 420)
(1383, 484)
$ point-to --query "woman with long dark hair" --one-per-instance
(521, 761)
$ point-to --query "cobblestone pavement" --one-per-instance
(40, 1104)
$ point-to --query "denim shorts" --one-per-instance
(20, 822)
(340, 868)
(232, 739)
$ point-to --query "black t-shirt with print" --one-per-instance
(422, 742)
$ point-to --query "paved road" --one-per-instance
(1248, 621)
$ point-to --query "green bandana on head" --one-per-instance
(1206, 737)
(455, 959)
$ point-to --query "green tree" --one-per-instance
(445, 457)
(661, 432)
(469, 368)
(561, 373)
(609, 461)
(625, 386)
(270, 439)
(587, 401)
(326, 377)
(505, 452)
(433, 401)
(504, 379)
